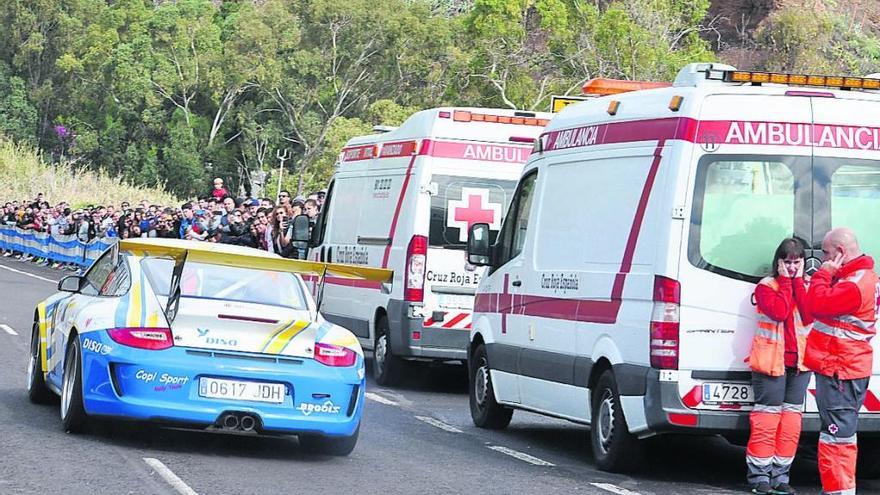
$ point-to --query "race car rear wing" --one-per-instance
(183, 251)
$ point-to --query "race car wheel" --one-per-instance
(339, 446)
(38, 393)
(386, 366)
(485, 411)
(73, 415)
(614, 447)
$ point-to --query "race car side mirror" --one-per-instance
(70, 283)
(478, 248)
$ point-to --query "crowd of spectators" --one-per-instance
(261, 223)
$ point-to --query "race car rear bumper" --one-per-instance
(163, 386)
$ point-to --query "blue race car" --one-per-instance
(201, 335)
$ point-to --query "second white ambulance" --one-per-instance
(619, 290)
(405, 200)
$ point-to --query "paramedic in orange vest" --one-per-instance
(779, 377)
(843, 298)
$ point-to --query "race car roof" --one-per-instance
(245, 257)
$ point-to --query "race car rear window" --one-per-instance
(226, 283)
(744, 206)
(463, 201)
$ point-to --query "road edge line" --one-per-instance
(28, 274)
(169, 476)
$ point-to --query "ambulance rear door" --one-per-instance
(750, 187)
(846, 186)
(470, 182)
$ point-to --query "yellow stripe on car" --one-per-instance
(134, 305)
(41, 317)
(280, 341)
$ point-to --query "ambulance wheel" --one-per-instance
(485, 411)
(868, 468)
(38, 393)
(336, 446)
(614, 447)
(386, 366)
(73, 414)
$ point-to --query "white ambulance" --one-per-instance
(404, 200)
(619, 291)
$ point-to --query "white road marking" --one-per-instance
(8, 329)
(29, 274)
(169, 476)
(381, 400)
(520, 455)
(438, 424)
(614, 489)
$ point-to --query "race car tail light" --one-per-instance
(665, 323)
(154, 339)
(334, 355)
(416, 257)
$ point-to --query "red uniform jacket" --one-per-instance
(780, 307)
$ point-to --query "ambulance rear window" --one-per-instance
(855, 199)
(743, 207)
(463, 201)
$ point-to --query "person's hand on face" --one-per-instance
(782, 269)
(833, 264)
(800, 268)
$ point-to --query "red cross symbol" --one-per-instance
(474, 212)
(473, 207)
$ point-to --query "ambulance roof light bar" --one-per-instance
(601, 86)
(759, 77)
(519, 118)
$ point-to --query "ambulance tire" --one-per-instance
(38, 392)
(73, 414)
(868, 468)
(387, 367)
(615, 449)
(485, 411)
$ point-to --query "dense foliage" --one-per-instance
(174, 92)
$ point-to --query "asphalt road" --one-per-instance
(415, 439)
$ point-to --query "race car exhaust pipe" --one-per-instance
(230, 422)
(248, 423)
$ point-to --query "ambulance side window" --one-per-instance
(513, 235)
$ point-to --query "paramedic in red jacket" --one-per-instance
(779, 377)
(843, 298)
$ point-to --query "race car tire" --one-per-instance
(485, 411)
(73, 414)
(867, 466)
(338, 446)
(614, 447)
(38, 392)
(387, 367)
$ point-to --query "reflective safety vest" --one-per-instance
(768, 346)
(840, 346)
